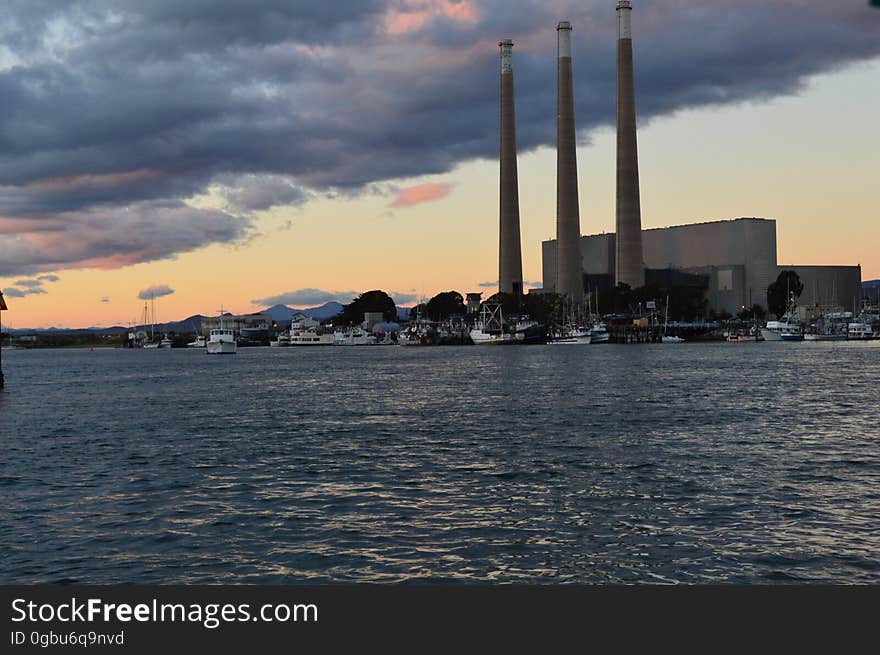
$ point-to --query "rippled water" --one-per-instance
(691, 463)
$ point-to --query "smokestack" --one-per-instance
(630, 267)
(569, 269)
(509, 247)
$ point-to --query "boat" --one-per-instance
(574, 335)
(668, 338)
(787, 328)
(354, 337)
(282, 340)
(860, 331)
(198, 342)
(221, 340)
(311, 337)
(489, 328)
(599, 333)
(166, 342)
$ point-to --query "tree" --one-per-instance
(444, 305)
(788, 282)
(369, 301)
(543, 307)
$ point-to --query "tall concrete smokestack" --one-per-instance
(510, 278)
(569, 276)
(629, 260)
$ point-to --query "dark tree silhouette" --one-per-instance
(788, 282)
(369, 301)
(444, 305)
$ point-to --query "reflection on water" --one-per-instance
(693, 463)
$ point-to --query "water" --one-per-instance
(691, 463)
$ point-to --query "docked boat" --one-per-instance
(354, 337)
(787, 328)
(489, 329)
(571, 334)
(599, 333)
(671, 339)
(166, 342)
(283, 340)
(311, 337)
(860, 331)
(198, 342)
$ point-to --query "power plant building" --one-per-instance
(734, 261)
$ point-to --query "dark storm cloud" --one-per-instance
(114, 113)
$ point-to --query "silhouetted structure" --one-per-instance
(509, 247)
(630, 258)
(569, 281)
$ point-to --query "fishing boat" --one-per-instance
(860, 331)
(489, 328)
(354, 337)
(599, 333)
(787, 328)
(221, 340)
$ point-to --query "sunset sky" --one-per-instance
(251, 152)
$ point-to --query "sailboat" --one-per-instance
(669, 338)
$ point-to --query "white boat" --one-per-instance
(787, 328)
(198, 342)
(860, 331)
(354, 337)
(668, 338)
(166, 342)
(283, 340)
(311, 337)
(599, 333)
(571, 335)
(221, 341)
(489, 329)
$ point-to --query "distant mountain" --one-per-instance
(283, 313)
(871, 284)
(403, 313)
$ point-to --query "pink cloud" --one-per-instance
(416, 195)
(411, 15)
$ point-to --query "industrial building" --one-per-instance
(734, 261)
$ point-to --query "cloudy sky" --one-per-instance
(241, 151)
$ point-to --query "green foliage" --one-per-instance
(788, 282)
(444, 305)
(369, 301)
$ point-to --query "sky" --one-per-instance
(242, 153)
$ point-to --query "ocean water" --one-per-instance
(693, 463)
